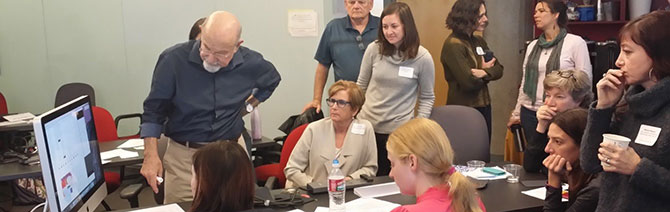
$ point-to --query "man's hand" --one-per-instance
(313, 104)
(152, 165)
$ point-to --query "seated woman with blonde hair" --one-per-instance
(341, 136)
(421, 165)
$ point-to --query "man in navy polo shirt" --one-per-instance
(202, 88)
(343, 44)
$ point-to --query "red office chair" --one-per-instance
(3, 105)
(277, 169)
(105, 128)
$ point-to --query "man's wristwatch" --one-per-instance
(250, 108)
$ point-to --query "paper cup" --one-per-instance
(618, 140)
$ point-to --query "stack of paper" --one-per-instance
(164, 208)
(19, 117)
(118, 153)
(541, 192)
(378, 190)
(481, 175)
(132, 143)
(364, 205)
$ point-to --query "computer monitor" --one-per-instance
(70, 158)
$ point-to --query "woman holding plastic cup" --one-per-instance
(635, 177)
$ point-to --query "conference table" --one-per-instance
(498, 195)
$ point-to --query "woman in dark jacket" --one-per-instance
(634, 177)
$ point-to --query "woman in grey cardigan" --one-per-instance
(395, 72)
(341, 136)
(635, 177)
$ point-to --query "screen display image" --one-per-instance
(73, 158)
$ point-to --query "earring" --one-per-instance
(650, 75)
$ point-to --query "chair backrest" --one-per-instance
(467, 131)
(104, 125)
(289, 144)
(73, 90)
(3, 105)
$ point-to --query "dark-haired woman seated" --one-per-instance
(565, 136)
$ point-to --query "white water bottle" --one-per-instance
(256, 133)
(336, 188)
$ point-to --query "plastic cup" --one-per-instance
(618, 140)
(475, 164)
(514, 170)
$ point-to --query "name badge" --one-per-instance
(358, 129)
(480, 51)
(407, 72)
(647, 135)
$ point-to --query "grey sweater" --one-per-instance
(648, 188)
(391, 89)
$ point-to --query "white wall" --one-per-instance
(113, 45)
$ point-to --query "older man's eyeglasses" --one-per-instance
(340, 103)
(205, 50)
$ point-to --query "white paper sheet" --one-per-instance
(302, 23)
(541, 193)
(364, 205)
(370, 205)
(296, 210)
(378, 190)
(118, 153)
(165, 208)
(132, 143)
(13, 123)
(19, 117)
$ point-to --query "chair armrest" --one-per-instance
(131, 191)
(128, 116)
(279, 138)
(270, 182)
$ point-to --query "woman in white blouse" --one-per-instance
(341, 136)
(554, 50)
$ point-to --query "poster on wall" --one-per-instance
(302, 23)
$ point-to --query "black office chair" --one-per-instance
(73, 90)
(466, 130)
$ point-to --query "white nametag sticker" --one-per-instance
(647, 135)
(407, 72)
(480, 51)
(358, 129)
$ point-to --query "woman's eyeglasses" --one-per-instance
(567, 75)
(340, 103)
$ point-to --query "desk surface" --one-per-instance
(12, 171)
(497, 196)
(23, 126)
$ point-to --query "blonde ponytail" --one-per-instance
(463, 194)
(426, 139)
